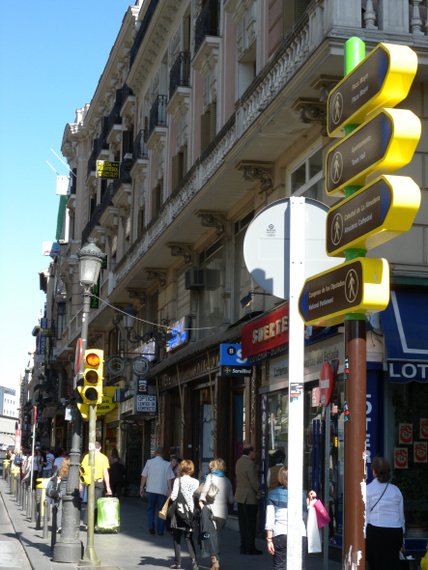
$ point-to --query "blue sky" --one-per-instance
(51, 57)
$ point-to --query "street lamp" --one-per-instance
(158, 336)
(245, 301)
(68, 547)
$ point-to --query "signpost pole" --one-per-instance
(355, 396)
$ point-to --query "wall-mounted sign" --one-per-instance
(107, 169)
(231, 361)
(145, 403)
(142, 386)
(180, 334)
(266, 333)
(50, 248)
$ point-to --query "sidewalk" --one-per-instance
(22, 546)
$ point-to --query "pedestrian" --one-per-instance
(58, 460)
(277, 522)
(175, 464)
(218, 506)
(117, 474)
(101, 479)
(157, 476)
(384, 519)
(183, 520)
(247, 495)
(49, 459)
(272, 474)
(63, 475)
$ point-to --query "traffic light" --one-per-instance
(92, 389)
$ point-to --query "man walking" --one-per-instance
(247, 495)
(101, 478)
(158, 477)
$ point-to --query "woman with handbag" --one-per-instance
(183, 507)
(277, 522)
(216, 495)
(384, 519)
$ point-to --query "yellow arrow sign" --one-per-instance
(384, 143)
(373, 215)
(357, 286)
(382, 79)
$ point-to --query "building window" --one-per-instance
(179, 167)
(156, 199)
(242, 280)
(212, 302)
(60, 319)
(208, 125)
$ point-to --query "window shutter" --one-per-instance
(205, 130)
(175, 170)
(292, 10)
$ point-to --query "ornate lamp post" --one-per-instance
(69, 548)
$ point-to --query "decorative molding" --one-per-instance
(181, 249)
(311, 111)
(215, 220)
(155, 273)
(256, 170)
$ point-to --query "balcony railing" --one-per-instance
(100, 143)
(139, 151)
(207, 23)
(158, 113)
(114, 117)
(180, 72)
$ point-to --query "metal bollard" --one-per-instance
(45, 518)
(34, 506)
(29, 501)
(54, 525)
(15, 486)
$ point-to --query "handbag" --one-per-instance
(212, 491)
(313, 532)
(163, 513)
(322, 516)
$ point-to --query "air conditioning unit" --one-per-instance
(194, 279)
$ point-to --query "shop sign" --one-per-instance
(108, 169)
(145, 403)
(107, 404)
(142, 385)
(180, 334)
(266, 333)
(231, 361)
(316, 354)
(407, 371)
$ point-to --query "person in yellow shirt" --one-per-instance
(101, 478)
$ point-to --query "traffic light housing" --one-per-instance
(92, 389)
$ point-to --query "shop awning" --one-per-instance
(405, 326)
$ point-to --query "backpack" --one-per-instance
(17, 460)
(52, 488)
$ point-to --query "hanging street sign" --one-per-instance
(375, 214)
(357, 286)
(385, 143)
(382, 79)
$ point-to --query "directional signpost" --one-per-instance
(377, 208)
(375, 214)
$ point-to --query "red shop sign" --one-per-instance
(269, 332)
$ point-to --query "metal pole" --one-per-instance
(69, 547)
(355, 443)
(90, 555)
(327, 482)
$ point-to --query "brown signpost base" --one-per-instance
(354, 444)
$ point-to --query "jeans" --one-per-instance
(155, 504)
(280, 556)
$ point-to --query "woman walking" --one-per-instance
(183, 519)
(277, 522)
(215, 508)
(384, 519)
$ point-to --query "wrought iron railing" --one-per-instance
(139, 150)
(179, 76)
(158, 113)
(207, 23)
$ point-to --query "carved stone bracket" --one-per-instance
(181, 249)
(311, 111)
(215, 220)
(155, 273)
(324, 84)
(137, 294)
(253, 170)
